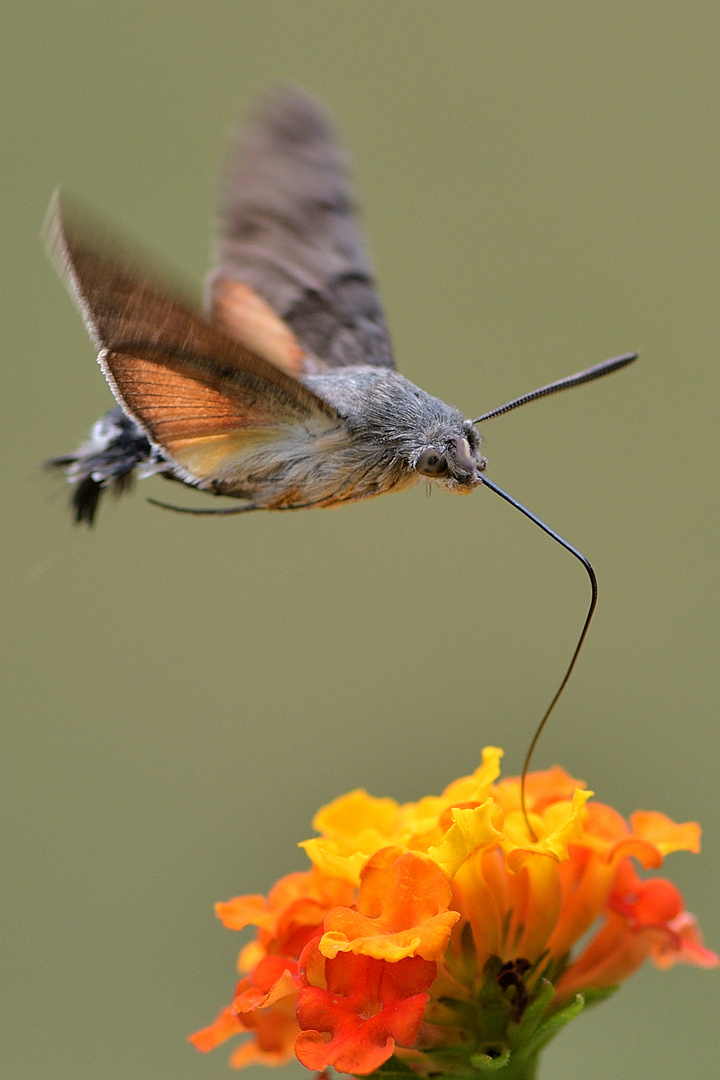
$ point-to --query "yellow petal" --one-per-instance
(335, 860)
(250, 955)
(428, 940)
(355, 813)
(470, 830)
(476, 788)
(566, 825)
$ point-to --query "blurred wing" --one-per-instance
(289, 239)
(198, 394)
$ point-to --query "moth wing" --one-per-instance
(198, 394)
(289, 236)
(249, 319)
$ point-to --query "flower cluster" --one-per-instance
(440, 932)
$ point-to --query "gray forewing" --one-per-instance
(288, 229)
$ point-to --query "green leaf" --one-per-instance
(550, 1027)
(534, 1013)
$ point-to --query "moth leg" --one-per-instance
(225, 510)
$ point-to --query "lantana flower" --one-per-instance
(440, 933)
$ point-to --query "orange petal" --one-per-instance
(274, 1032)
(223, 1027)
(613, 955)
(542, 790)
(401, 911)
(666, 835)
(534, 898)
(483, 881)
(272, 979)
(245, 911)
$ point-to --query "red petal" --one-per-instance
(369, 1005)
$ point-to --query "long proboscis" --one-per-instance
(583, 634)
(580, 377)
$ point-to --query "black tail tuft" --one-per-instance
(116, 447)
(85, 499)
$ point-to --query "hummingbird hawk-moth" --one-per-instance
(283, 394)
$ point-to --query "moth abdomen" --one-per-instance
(109, 457)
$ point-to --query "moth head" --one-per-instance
(455, 461)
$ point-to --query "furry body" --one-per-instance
(385, 423)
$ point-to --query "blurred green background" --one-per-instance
(540, 186)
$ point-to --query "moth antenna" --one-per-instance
(225, 510)
(583, 634)
(580, 377)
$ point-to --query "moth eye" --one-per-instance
(432, 463)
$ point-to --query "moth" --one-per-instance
(283, 394)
